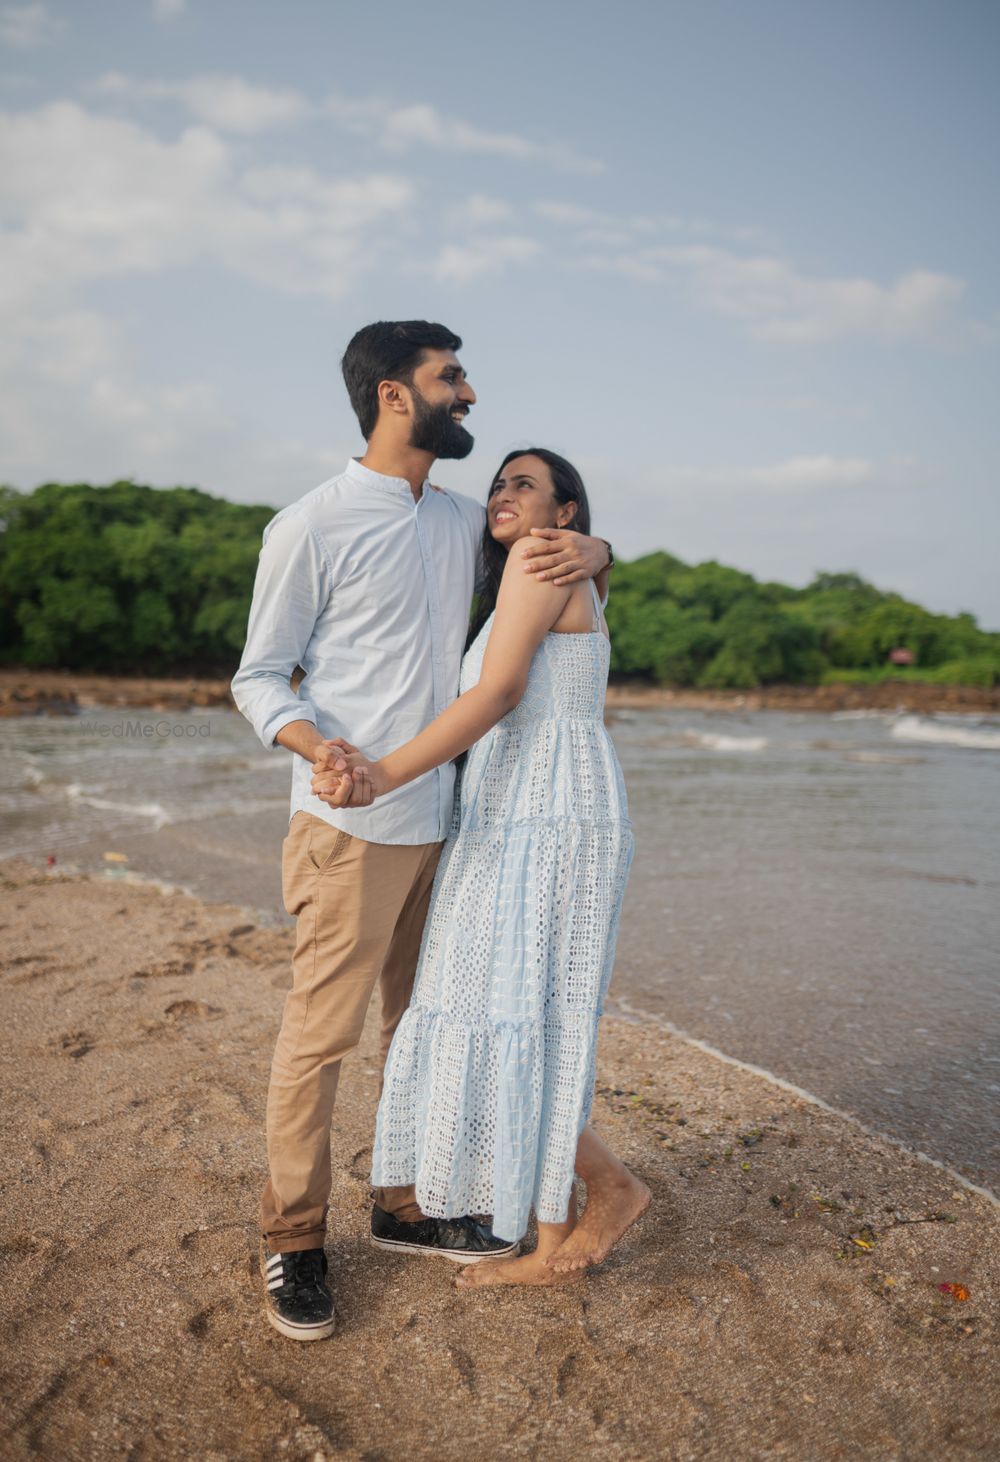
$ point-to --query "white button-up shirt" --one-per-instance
(369, 591)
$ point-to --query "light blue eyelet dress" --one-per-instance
(490, 1076)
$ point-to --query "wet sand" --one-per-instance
(799, 1289)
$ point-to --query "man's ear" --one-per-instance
(392, 396)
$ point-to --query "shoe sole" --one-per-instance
(290, 1330)
(301, 1332)
(455, 1255)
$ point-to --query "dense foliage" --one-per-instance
(713, 626)
(127, 578)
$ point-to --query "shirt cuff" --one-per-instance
(271, 728)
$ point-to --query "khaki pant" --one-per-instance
(360, 910)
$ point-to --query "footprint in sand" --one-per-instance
(73, 1043)
(190, 1010)
(164, 970)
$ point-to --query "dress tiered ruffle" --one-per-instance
(491, 1073)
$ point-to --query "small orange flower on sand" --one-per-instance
(957, 1291)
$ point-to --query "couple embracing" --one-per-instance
(486, 913)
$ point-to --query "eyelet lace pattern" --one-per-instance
(491, 1073)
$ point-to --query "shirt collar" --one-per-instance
(398, 486)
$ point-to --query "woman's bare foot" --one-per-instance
(526, 1269)
(612, 1208)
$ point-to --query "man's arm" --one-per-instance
(564, 557)
(525, 612)
(291, 589)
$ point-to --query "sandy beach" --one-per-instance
(799, 1289)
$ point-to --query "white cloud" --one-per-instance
(111, 424)
(233, 104)
(403, 128)
(593, 226)
(26, 27)
(778, 303)
(73, 402)
(460, 263)
(225, 102)
(420, 125)
(812, 474)
(801, 480)
(781, 304)
(169, 9)
(479, 210)
(764, 290)
(90, 196)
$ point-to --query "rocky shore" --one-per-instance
(66, 692)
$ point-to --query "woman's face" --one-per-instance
(522, 497)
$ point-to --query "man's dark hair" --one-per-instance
(389, 350)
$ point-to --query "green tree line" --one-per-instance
(133, 579)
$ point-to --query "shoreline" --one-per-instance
(68, 692)
(764, 1073)
(783, 1242)
(620, 1010)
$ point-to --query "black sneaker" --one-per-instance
(299, 1304)
(460, 1239)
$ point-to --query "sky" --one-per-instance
(737, 261)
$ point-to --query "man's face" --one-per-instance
(442, 398)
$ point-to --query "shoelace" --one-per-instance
(306, 1270)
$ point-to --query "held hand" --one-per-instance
(563, 556)
(352, 782)
(330, 755)
(351, 788)
(334, 755)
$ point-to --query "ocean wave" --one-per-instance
(918, 728)
(710, 741)
(886, 758)
(154, 810)
(860, 715)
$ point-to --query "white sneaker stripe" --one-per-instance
(276, 1283)
(274, 1262)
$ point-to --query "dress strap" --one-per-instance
(597, 605)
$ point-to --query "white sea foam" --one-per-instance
(712, 742)
(859, 715)
(154, 810)
(886, 758)
(941, 733)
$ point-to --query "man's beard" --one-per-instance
(435, 432)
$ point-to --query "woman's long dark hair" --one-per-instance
(569, 488)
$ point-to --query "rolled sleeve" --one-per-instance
(291, 590)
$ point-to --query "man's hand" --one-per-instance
(563, 556)
(331, 755)
(352, 781)
(338, 779)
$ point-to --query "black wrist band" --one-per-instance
(611, 554)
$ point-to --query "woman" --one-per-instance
(490, 1077)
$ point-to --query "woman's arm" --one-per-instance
(527, 609)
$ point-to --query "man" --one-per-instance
(366, 584)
